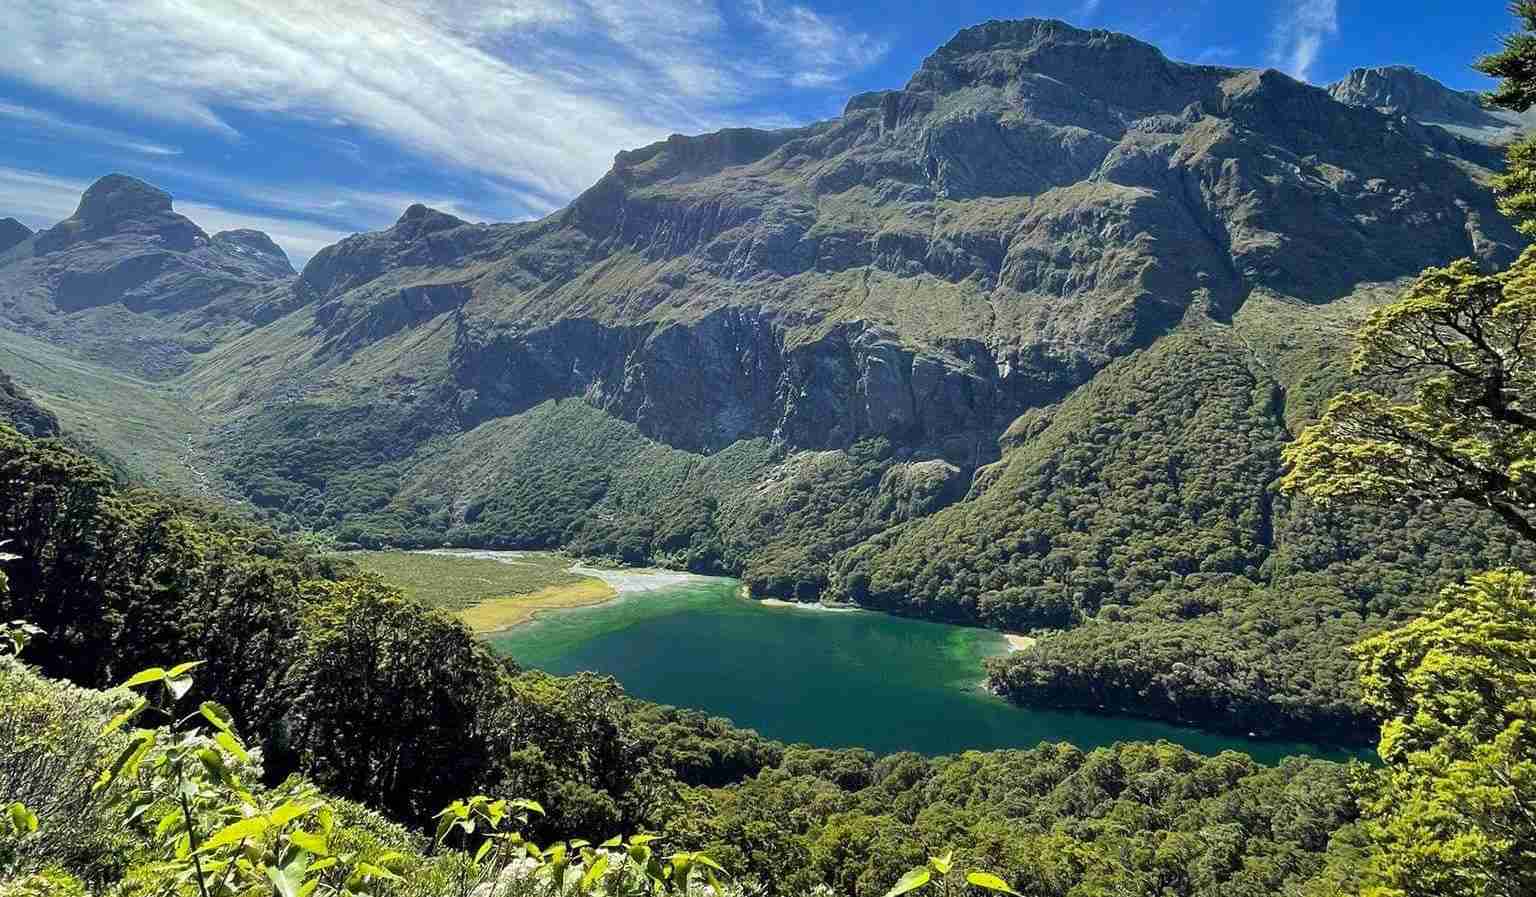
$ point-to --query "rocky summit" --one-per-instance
(132, 283)
(1017, 343)
(1404, 91)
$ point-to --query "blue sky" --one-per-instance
(312, 119)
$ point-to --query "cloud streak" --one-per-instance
(491, 89)
(40, 123)
(1299, 37)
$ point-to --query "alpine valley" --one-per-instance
(1017, 345)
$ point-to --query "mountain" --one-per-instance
(130, 282)
(1017, 344)
(12, 232)
(1402, 90)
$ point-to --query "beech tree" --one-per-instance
(1454, 811)
(1515, 65)
(1468, 340)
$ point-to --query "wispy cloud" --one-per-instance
(538, 94)
(1088, 9)
(1299, 36)
(820, 50)
(45, 124)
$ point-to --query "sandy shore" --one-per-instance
(624, 581)
(800, 605)
(1018, 642)
(500, 614)
(603, 585)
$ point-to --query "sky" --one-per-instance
(314, 119)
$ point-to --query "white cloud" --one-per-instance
(40, 123)
(1089, 8)
(38, 200)
(537, 93)
(821, 51)
(1299, 37)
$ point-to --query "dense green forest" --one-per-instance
(322, 669)
(192, 704)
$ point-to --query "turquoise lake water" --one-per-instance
(832, 679)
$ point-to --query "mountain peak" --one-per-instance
(1097, 64)
(117, 197)
(255, 247)
(1404, 90)
(1021, 34)
(421, 219)
(12, 232)
(120, 204)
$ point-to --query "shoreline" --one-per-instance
(494, 616)
(1017, 642)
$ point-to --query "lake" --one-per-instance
(827, 678)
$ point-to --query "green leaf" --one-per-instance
(314, 843)
(594, 872)
(127, 760)
(910, 882)
(216, 714)
(254, 827)
(232, 744)
(288, 812)
(181, 669)
(126, 717)
(23, 820)
(282, 882)
(145, 677)
(990, 882)
(942, 864)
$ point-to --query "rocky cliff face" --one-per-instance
(1037, 201)
(12, 232)
(132, 282)
(1401, 90)
(18, 410)
(900, 283)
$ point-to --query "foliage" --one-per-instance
(346, 697)
(1455, 811)
(1470, 434)
(1515, 65)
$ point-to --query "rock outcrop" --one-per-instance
(1401, 90)
(1038, 200)
(133, 283)
(12, 233)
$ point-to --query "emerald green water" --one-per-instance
(832, 679)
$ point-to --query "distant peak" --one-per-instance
(419, 220)
(1032, 36)
(1404, 90)
(254, 240)
(12, 232)
(118, 196)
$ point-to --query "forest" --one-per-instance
(192, 703)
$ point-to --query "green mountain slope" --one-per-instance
(1017, 344)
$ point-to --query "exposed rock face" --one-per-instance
(12, 232)
(1401, 90)
(18, 410)
(1038, 200)
(126, 278)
